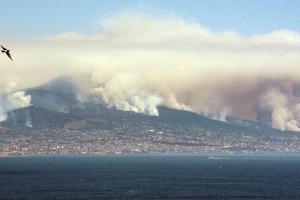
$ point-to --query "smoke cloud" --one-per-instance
(279, 104)
(136, 62)
(126, 92)
(12, 101)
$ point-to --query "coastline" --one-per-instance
(210, 156)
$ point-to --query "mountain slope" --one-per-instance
(58, 115)
(56, 103)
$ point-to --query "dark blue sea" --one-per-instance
(150, 177)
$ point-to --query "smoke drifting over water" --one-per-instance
(136, 62)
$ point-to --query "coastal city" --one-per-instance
(139, 138)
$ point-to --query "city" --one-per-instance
(124, 137)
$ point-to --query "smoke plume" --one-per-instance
(28, 121)
(136, 62)
(126, 92)
(279, 104)
(12, 101)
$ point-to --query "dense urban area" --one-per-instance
(129, 135)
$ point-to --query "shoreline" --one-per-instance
(208, 155)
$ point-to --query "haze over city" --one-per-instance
(237, 58)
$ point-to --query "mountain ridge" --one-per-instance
(63, 119)
(59, 97)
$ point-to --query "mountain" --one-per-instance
(56, 103)
(58, 110)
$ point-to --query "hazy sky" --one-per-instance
(232, 57)
(45, 17)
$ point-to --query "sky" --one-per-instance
(237, 57)
(27, 18)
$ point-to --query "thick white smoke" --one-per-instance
(136, 62)
(12, 101)
(126, 92)
(133, 92)
(279, 104)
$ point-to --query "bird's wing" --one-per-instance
(3, 48)
(8, 54)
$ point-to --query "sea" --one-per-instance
(150, 177)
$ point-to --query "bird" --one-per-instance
(6, 51)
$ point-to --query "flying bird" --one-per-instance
(6, 51)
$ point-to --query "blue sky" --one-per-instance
(29, 18)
